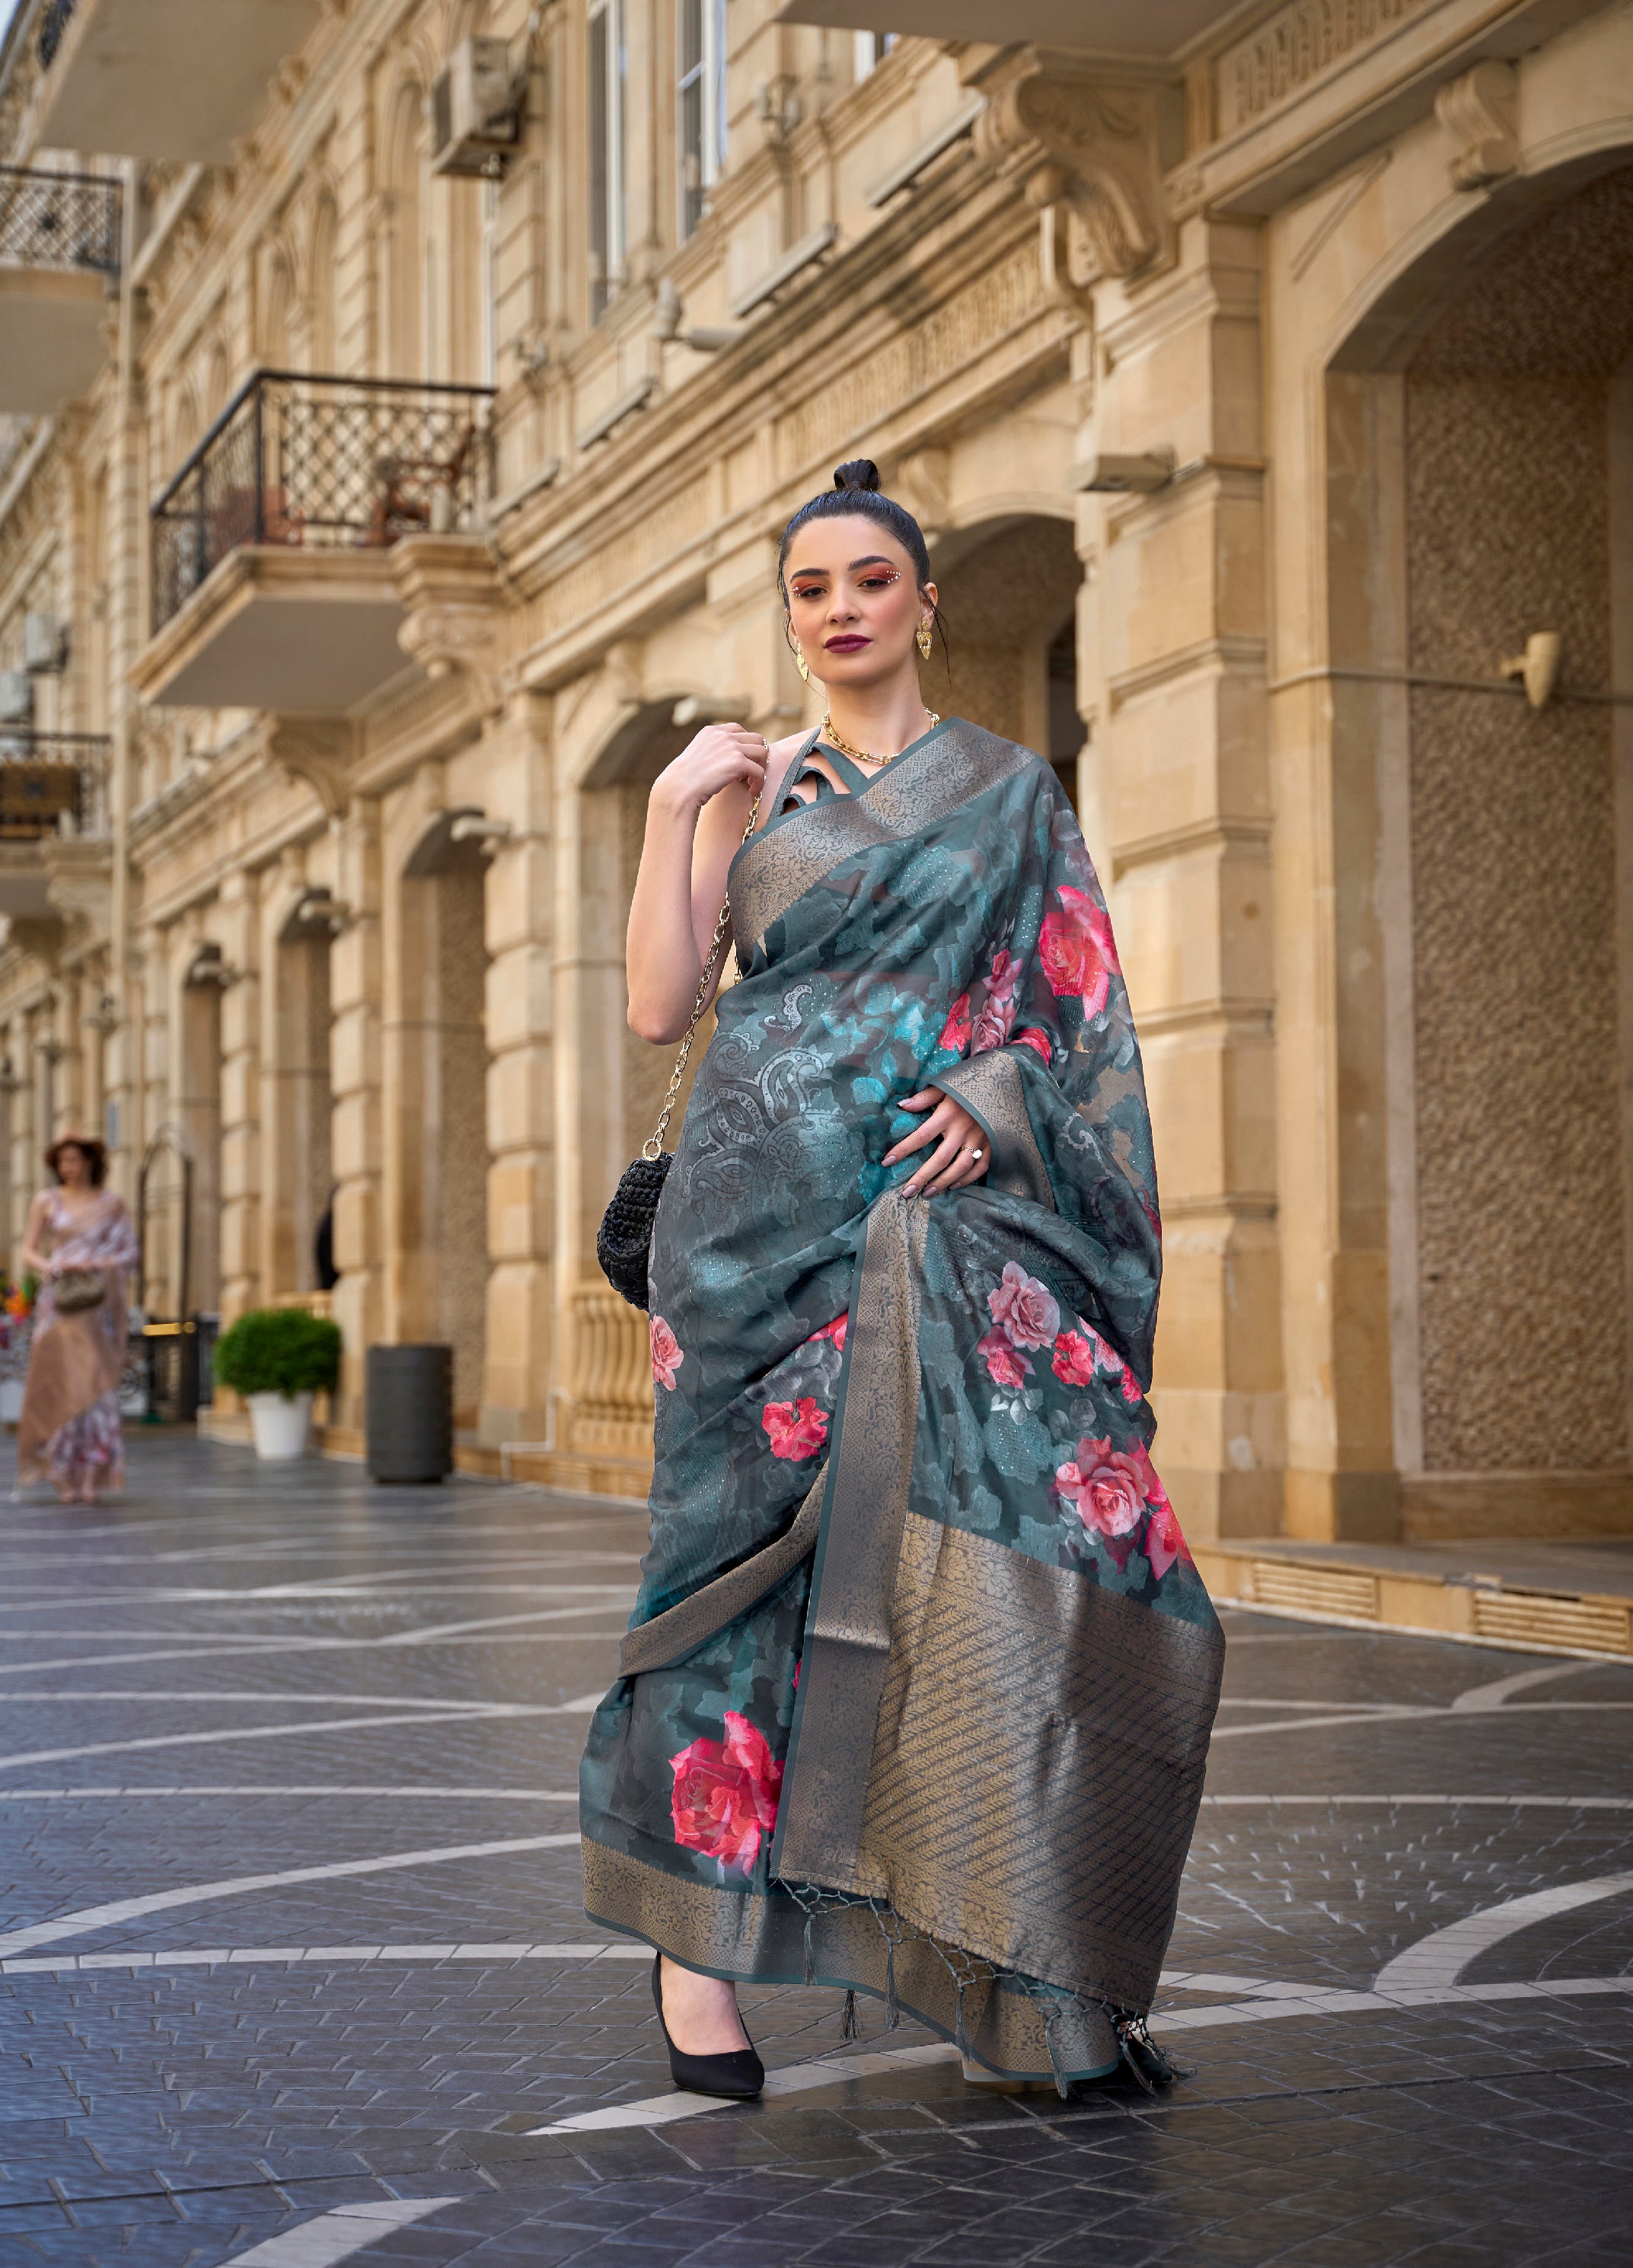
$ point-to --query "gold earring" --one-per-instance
(923, 640)
(796, 650)
(799, 663)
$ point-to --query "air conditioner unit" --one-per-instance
(476, 109)
(44, 645)
(16, 697)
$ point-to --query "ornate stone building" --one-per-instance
(406, 397)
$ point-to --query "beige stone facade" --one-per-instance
(1260, 393)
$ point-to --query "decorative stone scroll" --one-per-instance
(317, 749)
(1085, 150)
(1478, 112)
(455, 616)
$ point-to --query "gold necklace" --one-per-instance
(861, 755)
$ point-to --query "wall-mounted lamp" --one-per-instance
(209, 967)
(668, 325)
(710, 709)
(1108, 475)
(1537, 667)
(475, 827)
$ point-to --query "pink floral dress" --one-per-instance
(69, 1428)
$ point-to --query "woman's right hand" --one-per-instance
(720, 756)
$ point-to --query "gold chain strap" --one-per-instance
(653, 1148)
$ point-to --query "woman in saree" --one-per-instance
(916, 1693)
(69, 1429)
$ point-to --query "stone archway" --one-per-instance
(1009, 591)
(1481, 488)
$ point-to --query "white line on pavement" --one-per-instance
(336, 2234)
(1494, 1695)
(1554, 1802)
(488, 1625)
(280, 1700)
(1440, 1959)
(1346, 2004)
(841, 2070)
(1397, 1716)
(463, 1714)
(397, 1794)
(796, 2079)
(212, 1956)
(87, 1918)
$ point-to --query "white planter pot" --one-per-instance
(280, 1423)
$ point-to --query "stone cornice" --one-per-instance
(1312, 110)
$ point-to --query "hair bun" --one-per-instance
(860, 473)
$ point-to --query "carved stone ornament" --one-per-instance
(1085, 151)
(455, 616)
(1478, 111)
(448, 636)
(317, 750)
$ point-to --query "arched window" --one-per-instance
(324, 320)
(277, 314)
(405, 334)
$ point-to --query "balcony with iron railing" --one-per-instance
(273, 575)
(54, 819)
(59, 260)
(176, 79)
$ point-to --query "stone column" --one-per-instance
(240, 1097)
(355, 1080)
(521, 1145)
(1175, 630)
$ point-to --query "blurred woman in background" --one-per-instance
(80, 1244)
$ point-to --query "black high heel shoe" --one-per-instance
(735, 2078)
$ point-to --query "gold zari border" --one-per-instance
(774, 868)
(680, 1629)
(756, 1938)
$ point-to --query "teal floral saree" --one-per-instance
(916, 1694)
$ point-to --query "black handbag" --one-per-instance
(623, 1243)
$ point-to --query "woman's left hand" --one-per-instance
(960, 1154)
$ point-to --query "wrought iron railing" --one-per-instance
(329, 463)
(47, 777)
(58, 220)
(53, 23)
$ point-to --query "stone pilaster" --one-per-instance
(241, 1162)
(355, 1079)
(1175, 631)
(521, 1146)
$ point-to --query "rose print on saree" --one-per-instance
(667, 1355)
(724, 1801)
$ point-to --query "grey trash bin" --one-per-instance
(410, 1412)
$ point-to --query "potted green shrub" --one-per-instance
(277, 1358)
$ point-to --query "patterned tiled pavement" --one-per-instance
(295, 1970)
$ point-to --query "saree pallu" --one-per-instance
(916, 1693)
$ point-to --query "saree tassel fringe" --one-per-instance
(1051, 2027)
